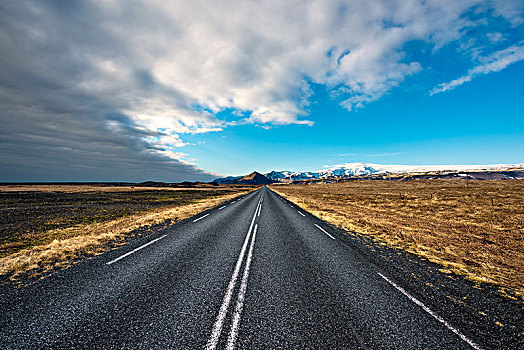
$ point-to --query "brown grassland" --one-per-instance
(45, 227)
(472, 228)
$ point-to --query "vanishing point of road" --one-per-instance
(254, 273)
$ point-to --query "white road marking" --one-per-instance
(233, 333)
(428, 310)
(200, 218)
(321, 229)
(135, 250)
(217, 327)
(300, 213)
(233, 202)
(222, 207)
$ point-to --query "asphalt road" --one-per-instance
(255, 273)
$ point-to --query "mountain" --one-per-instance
(337, 171)
(227, 180)
(342, 170)
(255, 178)
(348, 170)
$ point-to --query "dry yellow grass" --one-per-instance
(473, 228)
(92, 239)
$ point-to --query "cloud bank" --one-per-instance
(105, 86)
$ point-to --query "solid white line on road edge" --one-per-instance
(200, 218)
(428, 310)
(135, 250)
(222, 207)
(321, 229)
(217, 327)
(241, 295)
(300, 213)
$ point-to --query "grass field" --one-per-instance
(473, 228)
(44, 226)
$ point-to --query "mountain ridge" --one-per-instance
(360, 170)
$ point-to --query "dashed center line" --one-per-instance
(222, 207)
(428, 310)
(300, 213)
(321, 229)
(135, 250)
(200, 218)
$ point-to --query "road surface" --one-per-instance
(254, 273)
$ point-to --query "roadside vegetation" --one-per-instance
(472, 228)
(44, 227)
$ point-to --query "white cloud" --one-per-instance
(494, 37)
(259, 57)
(493, 63)
(511, 10)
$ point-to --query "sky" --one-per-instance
(191, 90)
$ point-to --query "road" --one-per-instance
(254, 273)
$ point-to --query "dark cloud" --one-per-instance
(50, 129)
(65, 143)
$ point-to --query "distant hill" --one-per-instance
(255, 178)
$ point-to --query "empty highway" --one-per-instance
(254, 273)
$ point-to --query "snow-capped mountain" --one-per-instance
(359, 169)
(342, 170)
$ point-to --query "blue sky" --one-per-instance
(177, 90)
(478, 123)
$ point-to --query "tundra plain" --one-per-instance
(471, 228)
(43, 227)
